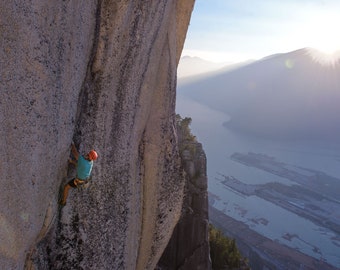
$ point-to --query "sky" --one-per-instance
(232, 31)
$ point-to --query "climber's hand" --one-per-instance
(72, 161)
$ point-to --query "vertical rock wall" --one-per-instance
(101, 73)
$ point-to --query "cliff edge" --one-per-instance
(104, 75)
(188, 247)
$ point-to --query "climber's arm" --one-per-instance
(74, 151)
(72, 161)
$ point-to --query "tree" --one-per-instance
(224, 252)
(184, 128)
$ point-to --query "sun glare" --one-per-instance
(327, 59)
(321, 32)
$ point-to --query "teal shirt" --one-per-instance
(84, 168)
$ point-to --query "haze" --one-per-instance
(235, 31)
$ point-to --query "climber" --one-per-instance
(84, 166)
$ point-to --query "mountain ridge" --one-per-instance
(287, 95)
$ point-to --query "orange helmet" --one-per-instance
(93, 155)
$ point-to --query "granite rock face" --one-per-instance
(188, 247)
(103, 74)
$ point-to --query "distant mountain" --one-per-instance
(286, 96)
(190, 66)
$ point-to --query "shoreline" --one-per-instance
(262, 251)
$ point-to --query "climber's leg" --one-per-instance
(67, 187)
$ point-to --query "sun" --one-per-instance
(321, 32)
(327, 44)
(325, 38)
(327, 49)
